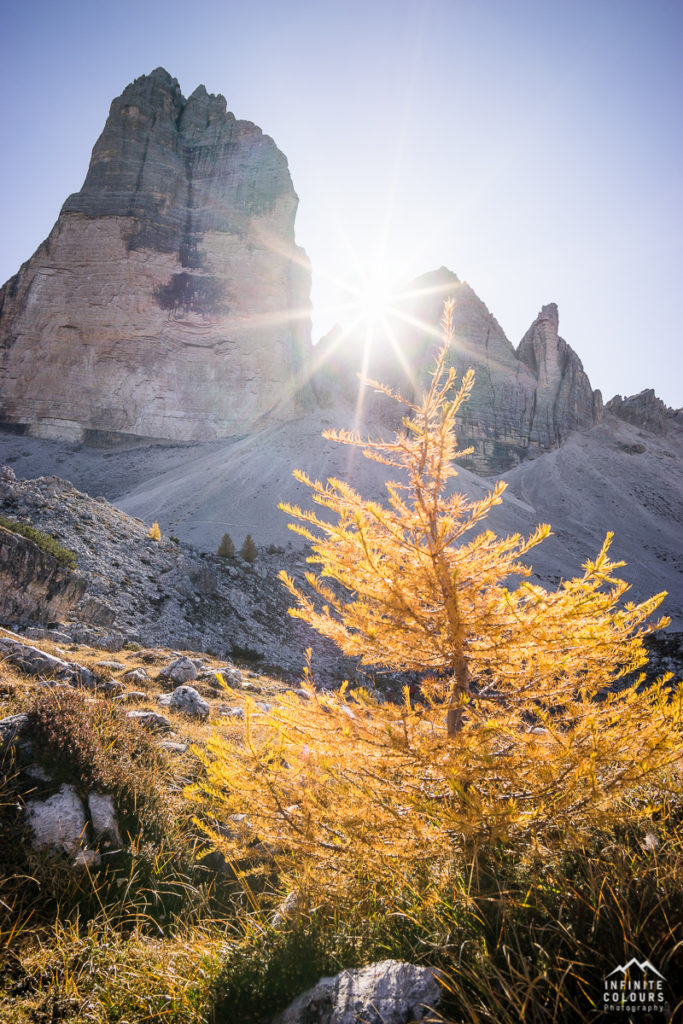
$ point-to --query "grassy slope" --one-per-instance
(158, 936)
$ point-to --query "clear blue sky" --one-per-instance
(534, 148)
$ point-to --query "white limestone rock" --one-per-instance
(59, 822)
(182, 670)
(103, 818)
(387, 991)
(186, 700)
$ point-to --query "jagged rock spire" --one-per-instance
(563, 398)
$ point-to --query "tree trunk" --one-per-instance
(459, 689)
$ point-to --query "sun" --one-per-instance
(375, 298)
(371, 301)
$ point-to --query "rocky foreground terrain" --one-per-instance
(129, 588)
(70, 818)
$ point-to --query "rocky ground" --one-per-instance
(139, 590)
(128, 588)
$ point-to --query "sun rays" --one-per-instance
(376, 316)
(384, 329)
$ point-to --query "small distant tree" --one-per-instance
(226, 548)
(248, 551)
(154, 532)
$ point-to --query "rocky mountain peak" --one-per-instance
(643, 410)
(160, 75)
(564, 399)
(550, 313)
(201, 110)
(523, 401)
(151, 309)
(147, 89)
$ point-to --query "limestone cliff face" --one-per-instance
(564, 399)
(170, 299)
(34, 587)
(523, 401)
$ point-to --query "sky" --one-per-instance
(533, 148)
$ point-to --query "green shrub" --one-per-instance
(43, 540)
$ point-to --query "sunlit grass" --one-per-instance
(521, 932)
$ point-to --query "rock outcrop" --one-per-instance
(523, 402)
(642, 410)
(170, 299)
(34, 587)
(158, 592)
(563, 398)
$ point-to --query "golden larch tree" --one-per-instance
(341, 787)
(418, 584)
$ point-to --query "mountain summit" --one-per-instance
(170, 299)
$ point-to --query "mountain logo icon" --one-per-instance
(633, 987)
(644, 966)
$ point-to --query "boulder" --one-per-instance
(130, 695)
(230, 712)
(186, 700)
(135, 675)
(182, 670)
(36, 662)
(150, 720)
(41, 633)
(59, 822)
(228, 673)
(173, 748)
(11, 726)
(389, 992)
(103, 818)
